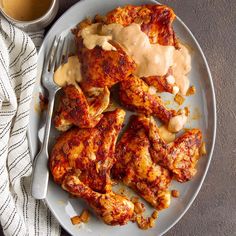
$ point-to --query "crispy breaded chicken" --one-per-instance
(81, 161)
(147, 164)
(135, 94)
(77, 109)
(135, 165)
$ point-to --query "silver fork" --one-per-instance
(53, 60)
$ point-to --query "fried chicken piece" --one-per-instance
(81, 161)
(180, 157)
(135, 94)
(102, 68)
(147, 164)
(135, 165)
(77, 109)
(156, 21)
(88, 153)
(112, 208)
(183, 155)
(105, 68)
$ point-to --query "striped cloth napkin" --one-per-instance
(20, 214)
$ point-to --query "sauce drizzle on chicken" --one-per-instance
(151, 59)
(68, 73)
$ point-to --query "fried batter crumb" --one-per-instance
(82, 218)
(75, 220)
(147, 223)
(191, 91)
(175, 193)
(142, 222)
(151, 222)
(187, 111)
(85, 216)
(139, 207)
(203, 149)
(179, 99)
(155, 214)
(134, 199)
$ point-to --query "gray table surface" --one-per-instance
(213, 22)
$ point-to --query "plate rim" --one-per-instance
(213, 131)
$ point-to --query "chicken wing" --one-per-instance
(136, 168)
(135, 94)
(77, 109)
(180, 157)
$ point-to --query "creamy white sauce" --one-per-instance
(170, 79)
(175, 89)
(151, 59)
(166, 135)
(91, 38)
(181, 67)
(177, 123)
(68, 73)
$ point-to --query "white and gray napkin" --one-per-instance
(20, 214)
